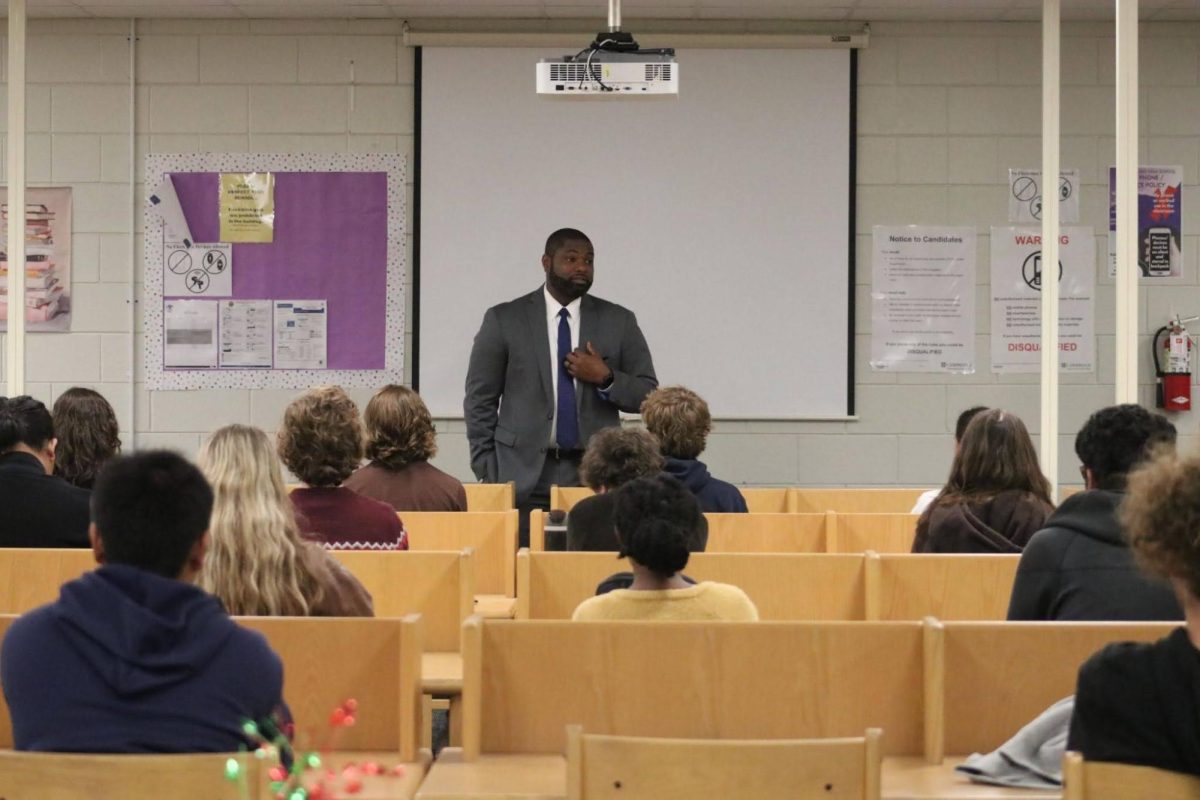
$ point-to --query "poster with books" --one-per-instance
(47, 260)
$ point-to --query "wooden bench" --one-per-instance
(72, 776)
(440, 586)
(860, 532)
(857, 501)
(949, 587)
(738, 533)
(491, 534)
(491, 496)
(1097, 780)
(934, 688)
(773, 500)
(31, 576)
(782, 586)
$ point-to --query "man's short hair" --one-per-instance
(1116, 439)
(150, 509)
(615, 456)
(964, 419)
(560, 237)
(24, 420)
(679, 419)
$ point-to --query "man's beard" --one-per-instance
(567, 287)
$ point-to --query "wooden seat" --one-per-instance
(783, 586)
(857, 501)
(491, 534)
(31, 576)
(491, 496)
(326, 661)
(766, 533)
(949, 587)
(565, 497)
(525, 681)
(63, 776)
(635, 768)
(1097, 780)
(860, 532)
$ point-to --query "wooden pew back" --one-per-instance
(773, 500)
(491, 534)
(949, 587)
(491, 496)
(71, 776)
(783, 587)
(999, 676)
(766, 533)
(31, 577)
(440, 586)
(766, 680)
(857, 501)
(565, 497)
(327, 661)
(883, 533)
(1099, 780)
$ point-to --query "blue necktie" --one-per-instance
(567, 431)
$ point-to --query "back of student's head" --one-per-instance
(1161, 515)
(24, 421)
(1116, 439)
(88, 435)
(616, 456)
(150, 509)
(399, 428)
(996, 455)
(656, 518)
(679, 419)
(964, 419)
(321, 439)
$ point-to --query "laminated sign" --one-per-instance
(247, 207)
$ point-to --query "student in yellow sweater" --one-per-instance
(654, 517)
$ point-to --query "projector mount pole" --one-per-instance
(614, 16)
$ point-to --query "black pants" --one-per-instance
(560, 469)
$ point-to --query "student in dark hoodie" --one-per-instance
(996, 496)
(1137, 703)
(1079, 567)
(679, 419)
(132, 658)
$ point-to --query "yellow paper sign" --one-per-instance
(247, 207)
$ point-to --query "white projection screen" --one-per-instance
(721, 217)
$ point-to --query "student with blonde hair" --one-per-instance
(400, 441)
(257, 562)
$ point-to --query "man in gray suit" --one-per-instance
(547, 370)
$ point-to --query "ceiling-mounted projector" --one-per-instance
(611, 66)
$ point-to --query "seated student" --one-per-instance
(400, 442)
(257, 563)
(679, 419)
(614, 457)
(960, 427)
(321, 442)
(996, 497)
(1079, 567)
(655, 518)
(132, 658)
(36, 508)
(1137, 703)
(88, 435)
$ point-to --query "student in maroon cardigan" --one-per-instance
(321, 442)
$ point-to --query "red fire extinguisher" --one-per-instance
(1174, 389)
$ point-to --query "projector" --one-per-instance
(611, 67)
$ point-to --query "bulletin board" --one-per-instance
(336, 251)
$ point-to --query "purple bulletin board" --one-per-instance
(338, 237)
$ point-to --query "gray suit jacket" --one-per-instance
(509, 404)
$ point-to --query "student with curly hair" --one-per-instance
(400, 442)
(679, 419)
(656, 517)
(88, 435)
(37, 509)
(257, 563)
(321, 442)
(996, 497)
(1137, 703)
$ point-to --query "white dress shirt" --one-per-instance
(552, 309)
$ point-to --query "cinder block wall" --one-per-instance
(944, 110)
